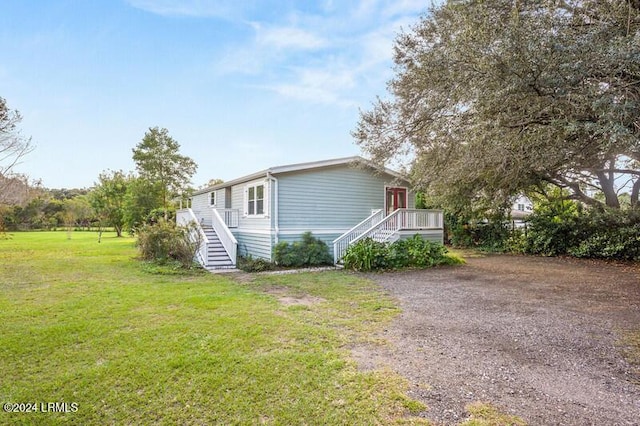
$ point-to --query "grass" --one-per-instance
(484, 414)
(85, 323)
(629, 345)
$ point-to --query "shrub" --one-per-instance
(488, 236)
(367, 255)
(609, 234)
(310, 251)
(164, 241)
(251, 264)
(416, 252)
(594, 233)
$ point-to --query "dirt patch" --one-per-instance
(286, 299)
(537, 337)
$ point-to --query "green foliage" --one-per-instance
(141, 199)
(158, 160)
(516, 242)
(486, 236)
(609, 234)
(164, 241)
(563, 227)
(108, 198)
(491, 97)
(414, 252)
(367, 255)
(254, 264)
(310, 251)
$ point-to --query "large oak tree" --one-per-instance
(493, 97)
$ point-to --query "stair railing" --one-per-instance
(389, 226)
(227, 239)
(341, 243)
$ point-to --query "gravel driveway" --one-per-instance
(535, 337)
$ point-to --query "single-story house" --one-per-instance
(340, 201)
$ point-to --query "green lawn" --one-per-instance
(86, 323)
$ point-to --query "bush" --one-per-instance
(595, 233)
(251, 264)
(310, 251)
(609, 234)
(164, 242)
(415, 252)
(367, 255)
(487, 236)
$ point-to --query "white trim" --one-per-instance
(306, 166)
(265, 195)
(294, 231)
(237, 231)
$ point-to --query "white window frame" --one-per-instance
(265, 198)
(212, 198)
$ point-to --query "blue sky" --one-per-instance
(242, 85)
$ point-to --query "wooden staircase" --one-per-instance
(217, 256)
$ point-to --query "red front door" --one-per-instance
(396, 199)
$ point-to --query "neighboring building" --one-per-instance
(521, 208)
(340, 201)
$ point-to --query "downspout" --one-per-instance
(275, 207)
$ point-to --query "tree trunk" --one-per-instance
(635, 192)
(610, 196)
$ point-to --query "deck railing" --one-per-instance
(185, 217)
(227, 239)
(341, 243)
(388, 227)
(230, 217)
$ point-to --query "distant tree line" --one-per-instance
(120, 200)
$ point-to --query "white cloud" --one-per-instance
(287, 38)
(325, 86)
(341, 54)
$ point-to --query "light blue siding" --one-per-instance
(326, 237)
(201, 205)
(254, 244)
(332, 198)
(201, 208)
(237, 202)
(327, 201)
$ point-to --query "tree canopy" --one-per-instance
(13, 146)
(491, 98)
(108, 198)
(158, 160)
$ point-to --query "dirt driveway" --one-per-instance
(536, 337)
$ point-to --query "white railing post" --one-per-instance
(227, 239)
(383, 228)
(341, 243)
(230, 217)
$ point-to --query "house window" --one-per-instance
(255, 200)
(521, 207)
(212, 198)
